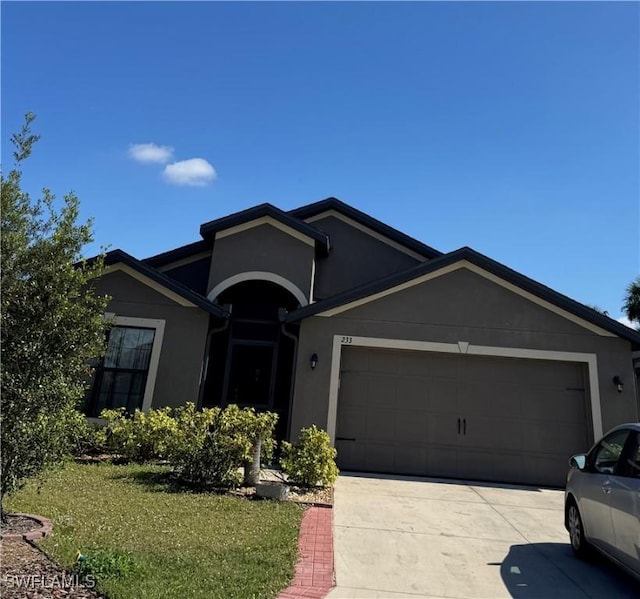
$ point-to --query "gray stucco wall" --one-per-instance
(355, 258)
(263, 248)
(184, 339)
(460, 306)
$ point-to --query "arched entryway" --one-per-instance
(250, 359)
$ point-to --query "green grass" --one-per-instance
(182, 544)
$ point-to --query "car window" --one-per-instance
(631, 466)
(607, 453)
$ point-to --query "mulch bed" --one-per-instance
(18, 523)
(27, 573)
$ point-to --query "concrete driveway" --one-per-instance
(408, 537)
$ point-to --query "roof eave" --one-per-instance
(504, 272)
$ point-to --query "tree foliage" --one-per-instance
(631, 304)
(52, 321)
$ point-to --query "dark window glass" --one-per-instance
(608, 452)
(122, 375)
(631, 466)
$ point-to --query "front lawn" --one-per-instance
(181, 544)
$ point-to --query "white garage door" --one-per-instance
(483, 418)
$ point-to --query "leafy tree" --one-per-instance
(631, 304)
(52, 321)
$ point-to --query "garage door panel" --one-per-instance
(351, 455)
(379, 457)
(383, 362)
(481, 432)
(356, 359)
(353, 389)
(413, 364)
(441, 365)
(410, 459)
(442, 460)
(412, 426)
(411, 394)
(545, 467)
(505, 400)
(442, 396)
(381, 391)
(475, 464)
(524, 418)
(474, 398)
(564, 405)
(553, 438)
(351, 424)
(380, 425)
(443, 429)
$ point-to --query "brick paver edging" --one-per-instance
(314, 570)
(46, 526)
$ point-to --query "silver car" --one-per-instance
(602, 498)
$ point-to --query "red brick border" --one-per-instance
(46, 526)
(314, 570)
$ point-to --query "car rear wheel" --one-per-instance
(576, 531)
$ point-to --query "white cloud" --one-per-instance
(151, 153)
(628, 323)
(195, 171)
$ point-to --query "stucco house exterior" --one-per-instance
(415, 362)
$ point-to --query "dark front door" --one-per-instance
(250, 380)
(251, 360)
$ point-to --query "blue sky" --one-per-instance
(509, 127)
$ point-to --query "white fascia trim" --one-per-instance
(266, 220)
(258, 275)
(313, 280)
(462, 347)
(185, 261)
(154, 361)
(483, 273)
(356, 225)
(149, 283)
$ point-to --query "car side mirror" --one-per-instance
(578, 461)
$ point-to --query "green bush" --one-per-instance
(214, 455)
(142, 436)
(83, 438)
(311, 460)
(205, 447)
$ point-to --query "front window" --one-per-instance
(121, 377)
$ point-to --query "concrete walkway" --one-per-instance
(403, 538)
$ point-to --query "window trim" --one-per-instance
(154, 360)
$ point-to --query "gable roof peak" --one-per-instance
(332, 203)
(209, 229)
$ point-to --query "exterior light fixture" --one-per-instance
(313, 361)
(617, 381)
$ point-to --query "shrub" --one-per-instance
(205, 447)
(213, 459)
(142, 436)
(213, 444)
(311, 460)
(83, 438)
(257, 428)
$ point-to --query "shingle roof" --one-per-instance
(470, 255)
(207, 230)
(118, 256)
(368, 221)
